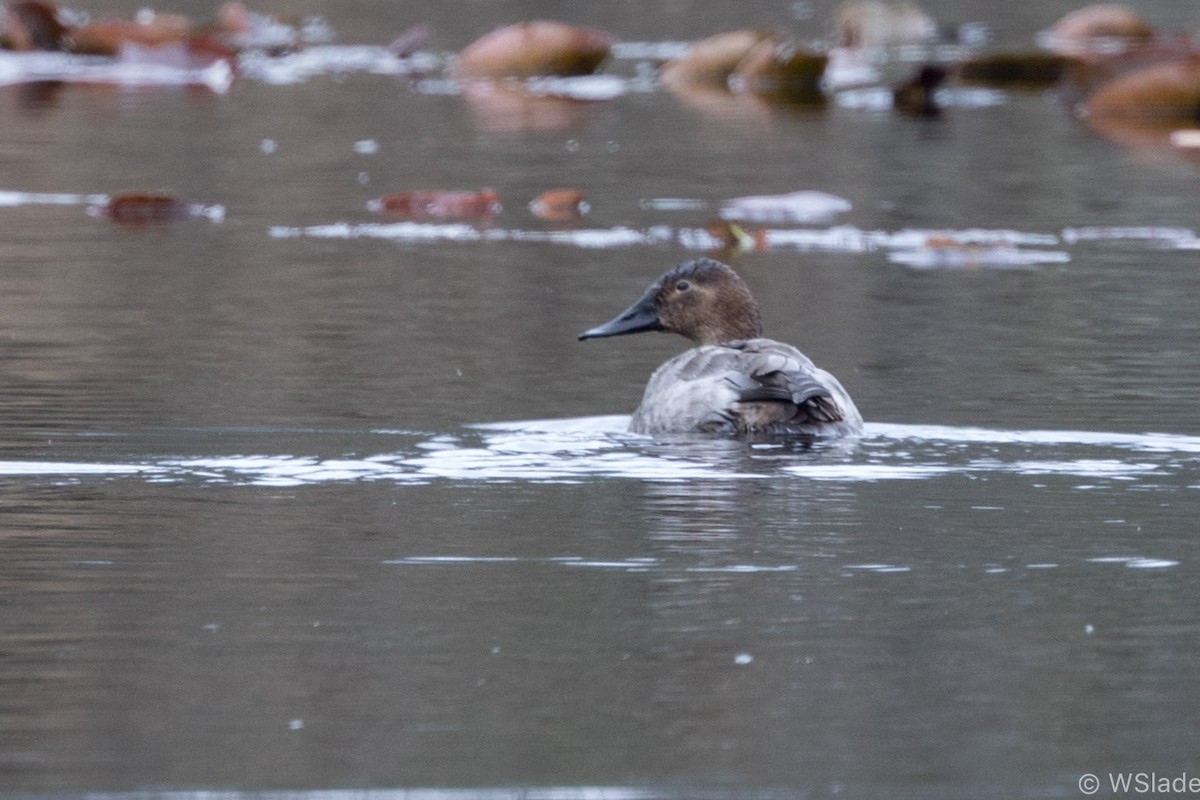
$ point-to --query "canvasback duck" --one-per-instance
(531, 49)
(734, 381)
(916, 97)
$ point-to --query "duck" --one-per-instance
(734, 381)
(916, 98)
(754, 61)
(535, 48)
(33, 25)
(1168, 92)
(1098, 31)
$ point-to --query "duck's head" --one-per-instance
(703, 300)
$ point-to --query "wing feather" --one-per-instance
(757, 385)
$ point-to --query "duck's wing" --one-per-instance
(814, 401)
(758, 385)
(778, 387)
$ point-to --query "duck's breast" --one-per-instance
(758, 385)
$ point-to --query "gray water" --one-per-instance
(302, 499)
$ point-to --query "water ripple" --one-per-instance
(662, 566)
(590, 448)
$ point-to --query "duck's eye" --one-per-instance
(682, 286)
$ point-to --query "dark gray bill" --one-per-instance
(639, 317)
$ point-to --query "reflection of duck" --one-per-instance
(504, 107)
(734, 381)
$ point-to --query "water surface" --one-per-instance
(299, 498)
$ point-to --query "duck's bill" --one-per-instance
(639, 317)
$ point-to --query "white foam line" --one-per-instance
(11, 198)
(1150, 442)
(1136, 562)
(641, 564)
(1148, 234)
(609, 423)
(583, 87)
(880, 568)
(453, 560)
(881, 98)
(597, 447)
(317, 60)
(635, 564)
(595, 238)
(797, 207)
(853, 239)
(1004, 244)
(870, 472)
(650, 51)
(674, 204)
(71, 468)
(483, 464)
(971, 247)
(995, 257)
(1086, 468)
(420, 793)
(744, 569)
(16, 68)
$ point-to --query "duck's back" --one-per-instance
(751, 386)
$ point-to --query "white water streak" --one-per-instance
(574, 450)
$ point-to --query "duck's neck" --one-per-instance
(736, 323)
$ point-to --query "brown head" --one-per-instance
(703, 300)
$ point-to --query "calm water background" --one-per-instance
(253, 537)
